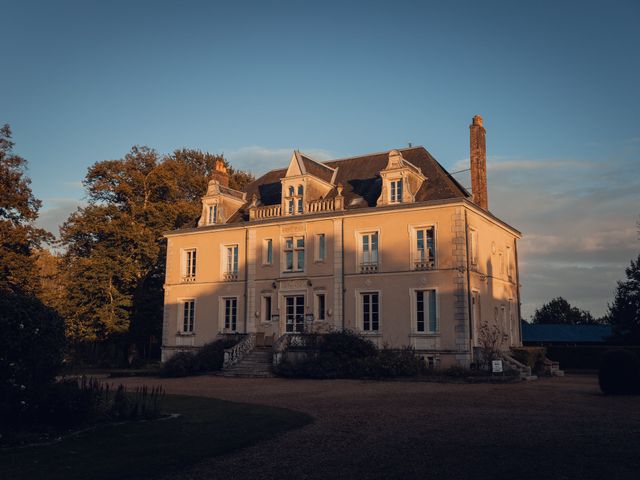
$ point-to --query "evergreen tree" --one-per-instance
(560, 311)
(624, 313)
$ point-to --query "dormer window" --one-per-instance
(396, 191)
(212, 214)
(295, 200)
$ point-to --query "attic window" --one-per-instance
(212, 217)
(396, 191)
(295, 201)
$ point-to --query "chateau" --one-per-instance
(387, 244)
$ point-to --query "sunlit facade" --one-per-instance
(388, 245)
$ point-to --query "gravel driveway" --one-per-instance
(549, 429)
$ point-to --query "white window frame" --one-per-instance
(267, 244)
(359, 300)
(319, 314)
(414, 229)
(413, 294)
(212, 219)
(189, 262)
(395, 193)
(360, 249)
(294, 199)
(266, 308)
(222, 312)
(180, 315)
(296, 267)
(473, 246)
(320, 253)
(235, 261)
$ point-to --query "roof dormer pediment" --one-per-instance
(296, 166)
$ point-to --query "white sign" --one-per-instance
(496, 366)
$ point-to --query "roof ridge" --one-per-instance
(316, 161)
(374, 153)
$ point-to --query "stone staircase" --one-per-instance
(525, 370)
(255, 363)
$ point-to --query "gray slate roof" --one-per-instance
(360, 177)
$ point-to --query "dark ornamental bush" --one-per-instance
(209, 358)
(347, 355)
(32, 345)
(180, 364)
(619, 373)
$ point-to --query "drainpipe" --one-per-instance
(344, 290)
(469, 305)
(246, 278)
(515, 252)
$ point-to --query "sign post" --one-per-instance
(496, 366)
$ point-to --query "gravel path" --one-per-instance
(557, 428)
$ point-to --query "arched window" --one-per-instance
(291, 191)
(300, 190)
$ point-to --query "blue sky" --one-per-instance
(556, 82)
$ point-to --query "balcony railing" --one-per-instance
(230, 276)
(424, 264)
(322, 205)
(368, 267)
(188, 279)
(267, 211)
(314, 206)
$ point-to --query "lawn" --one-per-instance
(207, 427)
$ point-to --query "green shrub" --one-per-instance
(619, 373)
(347, 355)
(32, 345)
(346, 344)
(181, 364)
(211, 356)
(533, 357)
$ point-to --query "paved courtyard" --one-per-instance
(549, 429)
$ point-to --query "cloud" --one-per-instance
(56, 212)
(259, 160)
(578, 220)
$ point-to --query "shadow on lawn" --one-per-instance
(206, 428)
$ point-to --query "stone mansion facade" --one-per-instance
(388, 245)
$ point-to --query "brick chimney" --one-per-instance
(220, 174)
(478, 159)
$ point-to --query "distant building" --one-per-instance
(387, 244)
(562, 334)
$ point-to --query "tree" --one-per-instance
(560, 311)
(18, 210)
(115, 258)
(624, 313)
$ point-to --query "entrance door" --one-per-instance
(294, 313)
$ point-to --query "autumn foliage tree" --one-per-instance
(19, 237)
(115, 253)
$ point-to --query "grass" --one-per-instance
(207, 428)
